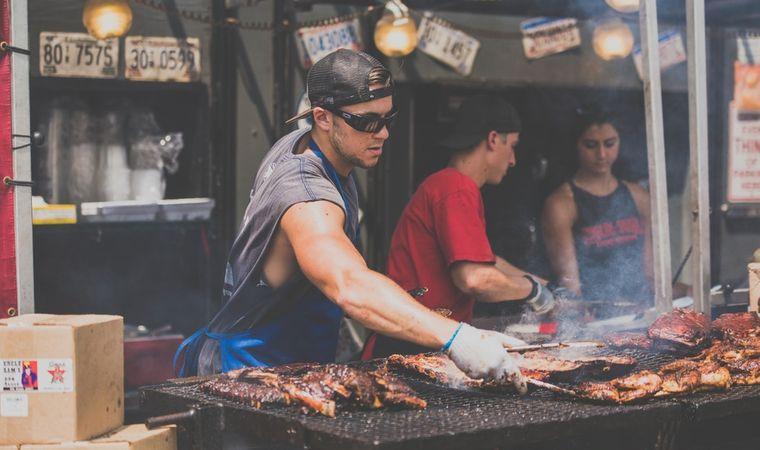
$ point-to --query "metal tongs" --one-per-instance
(551, 387)
(573, 344)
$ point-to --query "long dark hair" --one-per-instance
(586, 117)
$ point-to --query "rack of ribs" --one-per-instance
(680, 330)
(315, 387)
(627, 339)
(537, 365)
(736, 324)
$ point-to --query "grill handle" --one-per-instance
(171, 419)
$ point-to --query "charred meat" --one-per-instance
(435, 366)
(736, 324)
(637, 385)
(254, 395)
(626, 389)
(316, 387)
(600, 392)
(394, 391)
(680, 330)
(626, 339)
(538, 365)
(571, 368)
(745, 372)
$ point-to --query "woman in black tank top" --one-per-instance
(596, 226)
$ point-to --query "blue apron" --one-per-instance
(307, 331)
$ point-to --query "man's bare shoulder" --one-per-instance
(312, 217)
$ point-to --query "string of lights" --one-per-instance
(395, 32)
(196, 16)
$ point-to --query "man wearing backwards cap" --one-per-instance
(440, 240)
(293, 268)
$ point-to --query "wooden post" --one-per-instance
(656, 155)
(754, 286)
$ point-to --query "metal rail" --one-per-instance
(699, 168)
(656, 155)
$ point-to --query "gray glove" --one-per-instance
(481, 354)
(543, 300)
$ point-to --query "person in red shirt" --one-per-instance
(440, 241)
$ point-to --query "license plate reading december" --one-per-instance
(162, 58)
(77, 55)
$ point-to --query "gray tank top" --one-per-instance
(283, 180)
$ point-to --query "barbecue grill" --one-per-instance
(472, 419)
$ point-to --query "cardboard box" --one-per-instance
(132, 437)
(61, 377)
(9, 447)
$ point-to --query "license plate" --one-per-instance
(449, 46)
(162, 59)
(318, 42)
(77, 55)
(671, 52)
(544, 36)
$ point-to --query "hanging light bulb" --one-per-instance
(107, 18)
(395, 32)
(612, 39)
(624, 6)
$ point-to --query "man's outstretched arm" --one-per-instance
(331, 262)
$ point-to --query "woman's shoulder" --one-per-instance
(560, 204)
(640, 195)
(563, 193)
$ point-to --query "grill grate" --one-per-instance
(456, 417)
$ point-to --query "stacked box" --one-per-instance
(61, 378)
(132, 437)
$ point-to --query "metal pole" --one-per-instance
(282, 49)
(656, 155)
(699, 169)
(22, 160)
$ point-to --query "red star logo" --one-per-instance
(57, 374)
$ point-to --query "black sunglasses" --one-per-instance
(367, 124)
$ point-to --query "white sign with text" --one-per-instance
(452, 47)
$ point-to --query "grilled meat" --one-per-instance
(686, 375)
(628, 340)
(316, 387)
(637, 385)
(622, 390)
(559, 368)
(745, 372)
(601, 392)
(714, 376)
(537, 365)
(435, 366)
(394, 391)
(680, 330)
(736, 324)
(748, 340)
(254, 395)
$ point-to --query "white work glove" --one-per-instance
(481, 354)
(506, 340)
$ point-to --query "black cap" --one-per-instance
(479, 115)
(341, 78)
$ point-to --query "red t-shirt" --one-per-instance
(443, 223)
